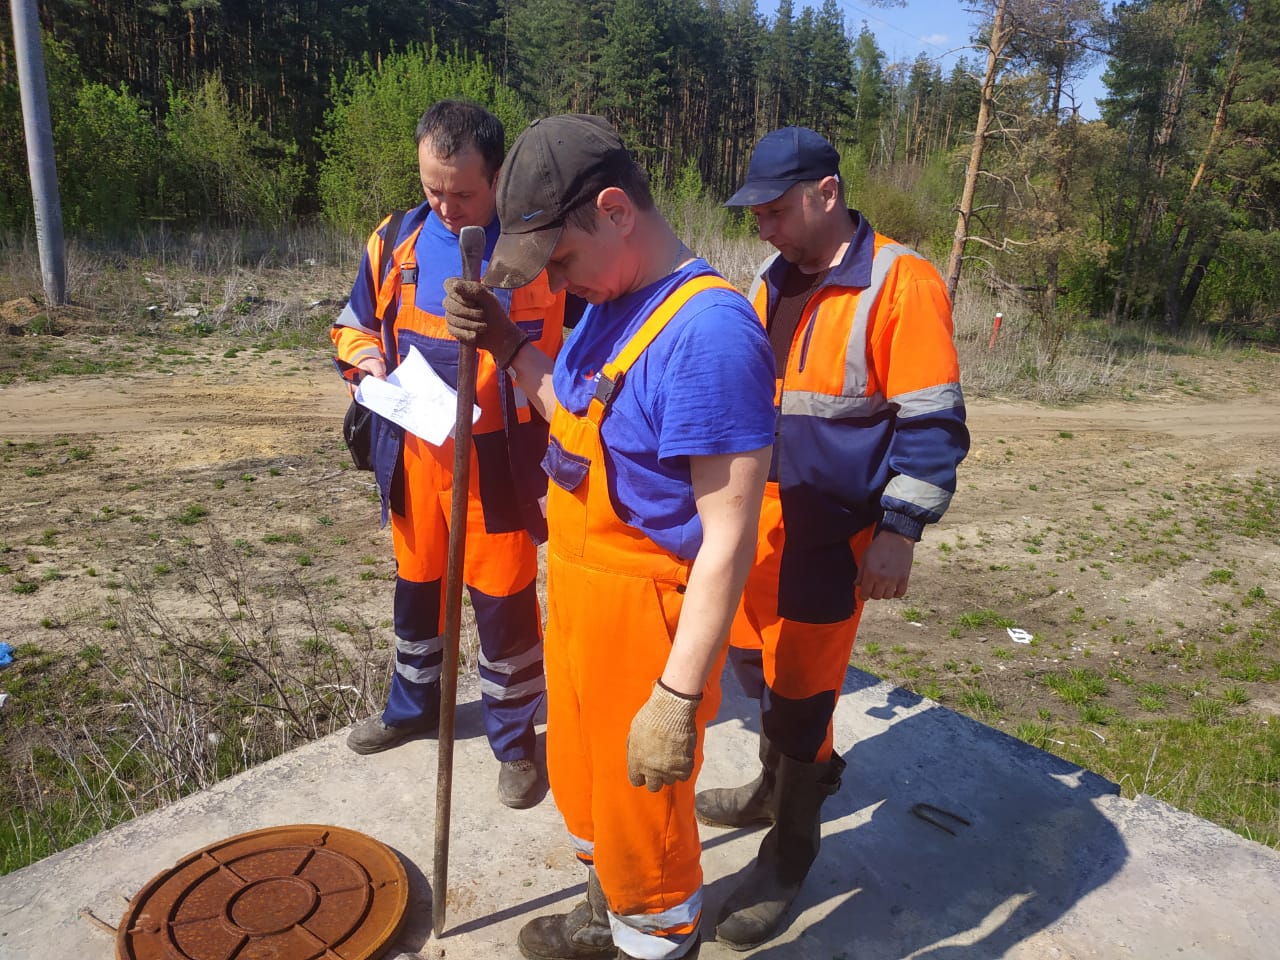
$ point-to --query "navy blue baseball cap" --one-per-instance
(781, 160)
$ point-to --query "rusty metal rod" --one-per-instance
(471, 242)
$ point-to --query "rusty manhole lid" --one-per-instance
(286, 893)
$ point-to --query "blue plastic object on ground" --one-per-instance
(6, 655)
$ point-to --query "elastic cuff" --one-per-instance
(511, 358)
(900, 523)
(677, 693)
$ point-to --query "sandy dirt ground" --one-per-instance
(1137, 540)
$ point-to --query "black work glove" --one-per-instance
(476, 318)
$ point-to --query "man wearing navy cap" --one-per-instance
(870, 429)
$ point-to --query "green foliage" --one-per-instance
(219, 163)
(370, 164)
(107, 152)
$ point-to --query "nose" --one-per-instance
(763, 228)
(556, 278)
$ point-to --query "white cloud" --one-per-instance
(936, 39)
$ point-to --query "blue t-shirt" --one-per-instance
(704, 387)
(439, 258)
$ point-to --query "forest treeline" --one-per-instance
(1161, 212)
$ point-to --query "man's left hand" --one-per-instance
(886, 566)
(662, 739)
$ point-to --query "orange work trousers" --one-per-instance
(795, 669)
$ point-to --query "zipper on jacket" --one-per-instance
(808, 335)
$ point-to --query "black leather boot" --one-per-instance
(750, 803)
(580, 934)
(755, 910)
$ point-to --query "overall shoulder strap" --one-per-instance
(390, 237)
(616, 369)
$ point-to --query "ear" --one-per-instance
(829, 188)
(616, 208)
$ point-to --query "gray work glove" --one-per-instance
(476, 317)
(662, 740)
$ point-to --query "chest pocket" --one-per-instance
(566, 470)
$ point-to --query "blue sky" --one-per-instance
(938, 28)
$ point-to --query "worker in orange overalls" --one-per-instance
(871, 428)
(661, 408)
(460, 151)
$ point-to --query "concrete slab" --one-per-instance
(1044, 860)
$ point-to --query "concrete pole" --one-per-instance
(39, 132)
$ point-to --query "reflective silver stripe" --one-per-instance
(806, 403)
(634, 933)
(760, 272)
(919, 492)
(419, 648)
(917, 403)
(583, 848)
(418, 674)
(513, 664)
(525, 688)
(855, 354)
(348, 318)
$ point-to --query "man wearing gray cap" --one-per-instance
(661, 412)
(871, 427)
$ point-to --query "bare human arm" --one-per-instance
(727, 489)
(663, 737)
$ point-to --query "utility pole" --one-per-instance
(39, 132)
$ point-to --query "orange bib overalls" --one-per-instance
(501, 564)
(614, 600)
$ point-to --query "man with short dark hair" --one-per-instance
(460, 150)
(871, 427)
(661, 408)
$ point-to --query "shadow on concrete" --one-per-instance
(889, 884)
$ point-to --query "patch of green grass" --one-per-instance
(912, 614)
(1037, 734)
(192, 513)
(977, 619)
(980, 703)
(1237, 696)
(1096, 713)
(1076, 686)
(1227, 770)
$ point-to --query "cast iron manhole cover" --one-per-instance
(286, 893)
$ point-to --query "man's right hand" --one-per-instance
(476, 317)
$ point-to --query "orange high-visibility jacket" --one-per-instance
(871, 417)
(509, 439)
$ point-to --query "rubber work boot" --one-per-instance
(374, 736)
(741, 806)
(518, 783)
(755, 910)
(581, 933)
